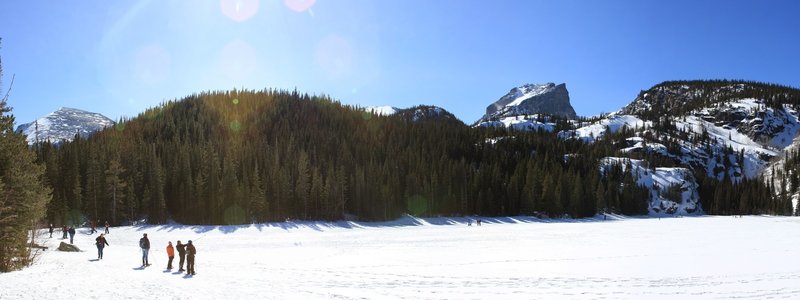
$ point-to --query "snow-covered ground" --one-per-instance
(506, 258)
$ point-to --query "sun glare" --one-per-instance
(238, 60)
(299, 5)
(334, 55)
(239, 10)
(152, 64)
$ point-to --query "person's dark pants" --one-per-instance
(100, 252)
(51, 233)
(169, 263)
(71, 236)
(145, 261)
(65, 235)
(180, 264)
(190, 264)
(106, 230)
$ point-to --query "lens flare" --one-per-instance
(235, 126)
(238, 60)
(152, 64)
(234, 215)
(417, 205)
(239, 10)
(335, 56)
(366, 116)
(299, 5)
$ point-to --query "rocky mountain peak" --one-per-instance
(531, 99)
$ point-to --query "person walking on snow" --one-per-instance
(190, 252)
(101, 243)
(92, 224)
(71, 234)
(182, 255)
(64, 232)
(51, 230)
(107, 227)
(144, 243)
(170, 254)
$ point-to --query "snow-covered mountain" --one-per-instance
(530, 99)
(415, 114)
(63, 124)
(728, 130)
(672, 190)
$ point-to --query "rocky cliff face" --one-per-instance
(531, 99)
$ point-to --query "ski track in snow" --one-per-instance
(506, 258)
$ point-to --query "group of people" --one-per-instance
(93, 225)
(64, 231)
(186, 252)
(71, 230)
(477, 222)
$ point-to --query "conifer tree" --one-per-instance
(23, 197)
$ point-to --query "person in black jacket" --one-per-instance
(190, 252)
(71, 234)
(181, 254)
(64, 232)
(101, 243)
(144, 243)
(51, 230)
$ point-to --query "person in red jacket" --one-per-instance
(170, 254)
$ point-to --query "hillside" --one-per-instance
(242, 156)
(252, 156)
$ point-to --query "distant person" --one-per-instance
(181, 255)
(170, 254)
(91, 224)
(101, 243)
(469, 222)
(107, 227)
(64, 232)
(71, 234)
(478, 222)
(190, 252)
(51, 230)
(144, 243)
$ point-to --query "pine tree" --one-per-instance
(115, 187)
(23, 197)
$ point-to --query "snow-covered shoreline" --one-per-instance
(438, 258)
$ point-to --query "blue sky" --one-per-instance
(120, 57)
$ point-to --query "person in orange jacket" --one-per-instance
(171, 254)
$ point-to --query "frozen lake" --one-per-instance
(506, 258)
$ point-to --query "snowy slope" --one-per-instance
(519, 94)
(660, 180)
(611, 124)
(382, 110)
(506, 258)
(63, 124)
(522, 123)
